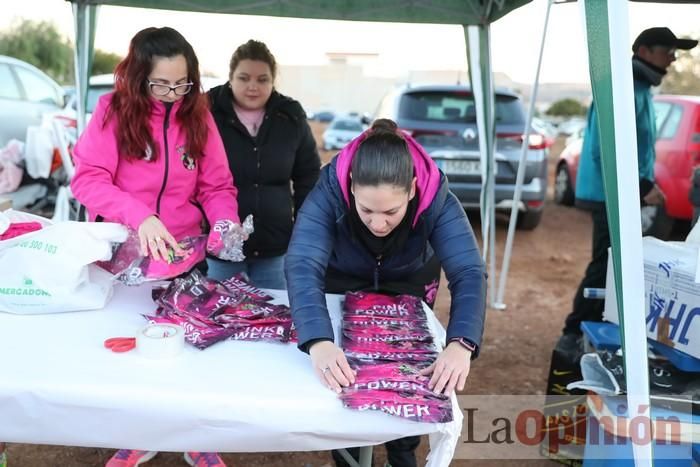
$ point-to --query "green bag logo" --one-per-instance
(27, 288)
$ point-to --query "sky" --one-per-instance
(515, 38)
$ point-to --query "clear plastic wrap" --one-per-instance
(226, 239)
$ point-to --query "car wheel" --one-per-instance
(656, 222)
(528, 220)
(563, 191)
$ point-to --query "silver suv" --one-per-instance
(25, 94)
(442, 119)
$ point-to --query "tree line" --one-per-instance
(41, 44)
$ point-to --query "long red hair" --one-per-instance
(131, 104)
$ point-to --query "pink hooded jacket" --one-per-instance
(427, 173)
(173, 187)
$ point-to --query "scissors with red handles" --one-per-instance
(120, 344)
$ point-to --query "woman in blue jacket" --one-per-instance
(381, 217)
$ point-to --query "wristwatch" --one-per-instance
(469, 345)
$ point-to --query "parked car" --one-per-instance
(102, 84)
(209, 82)
(99, 85)
(575, 136)
(365, 117)
(571, 126)
(566, 172)
(341, 131)
(323, 116)
(442, 118)
(26, 93)
(677, 153)
(544, 127)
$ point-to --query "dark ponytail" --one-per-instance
(383, 158)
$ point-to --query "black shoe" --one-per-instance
(570, 346)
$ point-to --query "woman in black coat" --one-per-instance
(273, 157)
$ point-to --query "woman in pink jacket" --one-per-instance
(152, 159)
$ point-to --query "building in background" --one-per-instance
(351, 82)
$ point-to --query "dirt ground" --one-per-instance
(546, 267)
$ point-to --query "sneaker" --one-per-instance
(570, 346)
(204, 459)
(130, 458)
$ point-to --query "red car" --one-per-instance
(677, 153)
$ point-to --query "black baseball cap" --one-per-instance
(664, 37)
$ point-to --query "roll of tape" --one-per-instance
(160, 341)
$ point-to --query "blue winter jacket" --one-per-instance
(322, 237)
(589, 181)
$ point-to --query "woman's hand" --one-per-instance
(450, 369)
(331, 366)
(225, 240)
(155, 239)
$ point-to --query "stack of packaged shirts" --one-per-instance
(211, 311)
(387, 341)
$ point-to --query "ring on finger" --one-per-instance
(325, 370)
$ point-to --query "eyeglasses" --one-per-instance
(160, 89)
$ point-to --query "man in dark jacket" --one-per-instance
(654, 51)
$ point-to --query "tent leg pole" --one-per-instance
(613, 95)
(520, 176)
(366, 456)
(481, 78)
(84, 20)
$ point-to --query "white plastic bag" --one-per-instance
(50, 270)
(38, 151)
(61, 212)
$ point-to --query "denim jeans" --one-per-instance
(266, 273)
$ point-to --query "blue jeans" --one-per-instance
(266, 273)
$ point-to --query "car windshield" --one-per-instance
(349, 125)
(456, 107)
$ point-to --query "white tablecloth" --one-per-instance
(59, 385)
